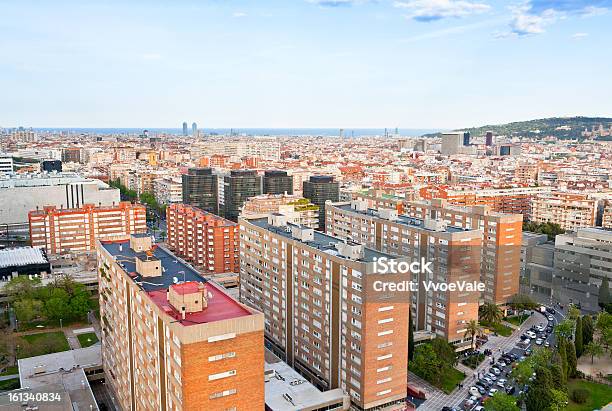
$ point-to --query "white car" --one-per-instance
(492, 391)
(546, 344)
(491, 377)
(531, 334)
(550, 318)
(474, 391)
(496, 371)
(539, 341)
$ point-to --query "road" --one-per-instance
(436, 399)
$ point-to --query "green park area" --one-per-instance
(87, 339)
(32, 345)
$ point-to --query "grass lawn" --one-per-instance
(600, 395)
(13, 369)
(517, 319)
(87, 339)
(451, 380)
(500, 329)
(41, 343)
(11, 384)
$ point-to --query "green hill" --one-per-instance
(560, 127)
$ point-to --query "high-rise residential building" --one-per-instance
(466, 138)
(606, 217)
(451, 143)
(500, 263)
(49, 166)
(185, 130)
(319, 189)
(71, 155)
(323, 315)
(277, 182)
(582, 260)
(238, 187)
(168, 190)
(298, 210)
(454, 254)
(510, 200)
(570, 210)
(171, 339)
(489, 138)
(204, 239)
(77, 229)
(6, 164)
(22, 193)
(200, 189)
(537, 259)
(194, 129)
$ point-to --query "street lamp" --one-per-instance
(61, 325)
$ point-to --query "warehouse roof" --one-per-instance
(15, 257)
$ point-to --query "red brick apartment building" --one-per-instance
(77, 229)
(204, 239)
(171, 340)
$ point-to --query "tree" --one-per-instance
(562, 353)
(501, 402)
(559, 400)
(80, 305)
(522, 302)
(410, 337)
(27, 309)
(594, 349)
(578, 337)
(472, 330)
(564, 330)
(557, 375)
(548, 228)
(573, 312)
(604, 327)
(57, 306)
(444, 351)
(427, 364)
(587, 330)
(572, 361)
(538, 399)
(491, 313)
(162, 235)
(604, 293)
(21, 287)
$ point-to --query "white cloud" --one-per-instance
(580, 35)
(239, 14)
(334, 3)
(431, 10)
(151, 56)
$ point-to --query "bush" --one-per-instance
(580, 395)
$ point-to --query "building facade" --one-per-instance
(570, 210)
(77, 229)
(200, 189)
(319, 189)
(277, 182)
(323, 317)
(170, 344)
(238, 187)
(205, 239)
(298, 210)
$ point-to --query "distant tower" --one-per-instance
(185, 129)
(194, 129)
(466, 138)
(341, 132)
(489, 139)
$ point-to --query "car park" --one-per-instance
(475, 392)
(546, 344)
(528, 352)
(468, 404)
(492, 377)
(539, 341)
(488, 380)
(551, 318)
(492, 391)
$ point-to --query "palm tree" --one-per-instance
(491, 313)
(473, 329)
(594, 349)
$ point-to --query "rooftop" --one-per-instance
(11, 257)
(13, 180)
(174, 271)
(321, 241)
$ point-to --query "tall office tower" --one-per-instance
(451, 143)
(570, 210)
(277, 182)
(454, 254)
(205, 239)
(319, 189)
(323, 315)
(582, 260)
(466, 138)
(185, 132)
(489, 138)
(238, 187)
(77, 229)
(50, 166)
(172, 340)
(500, 261)
(200, 189)
(71, 155)
(194, 129)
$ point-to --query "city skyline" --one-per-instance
(342, 63)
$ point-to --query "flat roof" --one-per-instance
(321, 241)
(16, 257)
(402, 219)
(174, 270)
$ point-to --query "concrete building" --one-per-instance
(582, 259)
(501, 242)
(323, 315)
(168, 190)
(50, 166)
(277, 182)
(606, 217)
(6, 164)
(537, 259)
(23, 261)
(319, 189)
(454, 253)
(298, 210)
(238, 187)
(451, 143)
(207, 240)
(22, 193)
(201, 189)
(171, 340)
(570, 210)
(72, 230)
(71, 155)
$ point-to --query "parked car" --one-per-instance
(492, 391)
(539, 341)
(546, 344)
(475, 392)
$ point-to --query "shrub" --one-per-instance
(580, 395)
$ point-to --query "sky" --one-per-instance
(302, 63)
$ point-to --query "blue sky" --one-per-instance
(302, 63)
